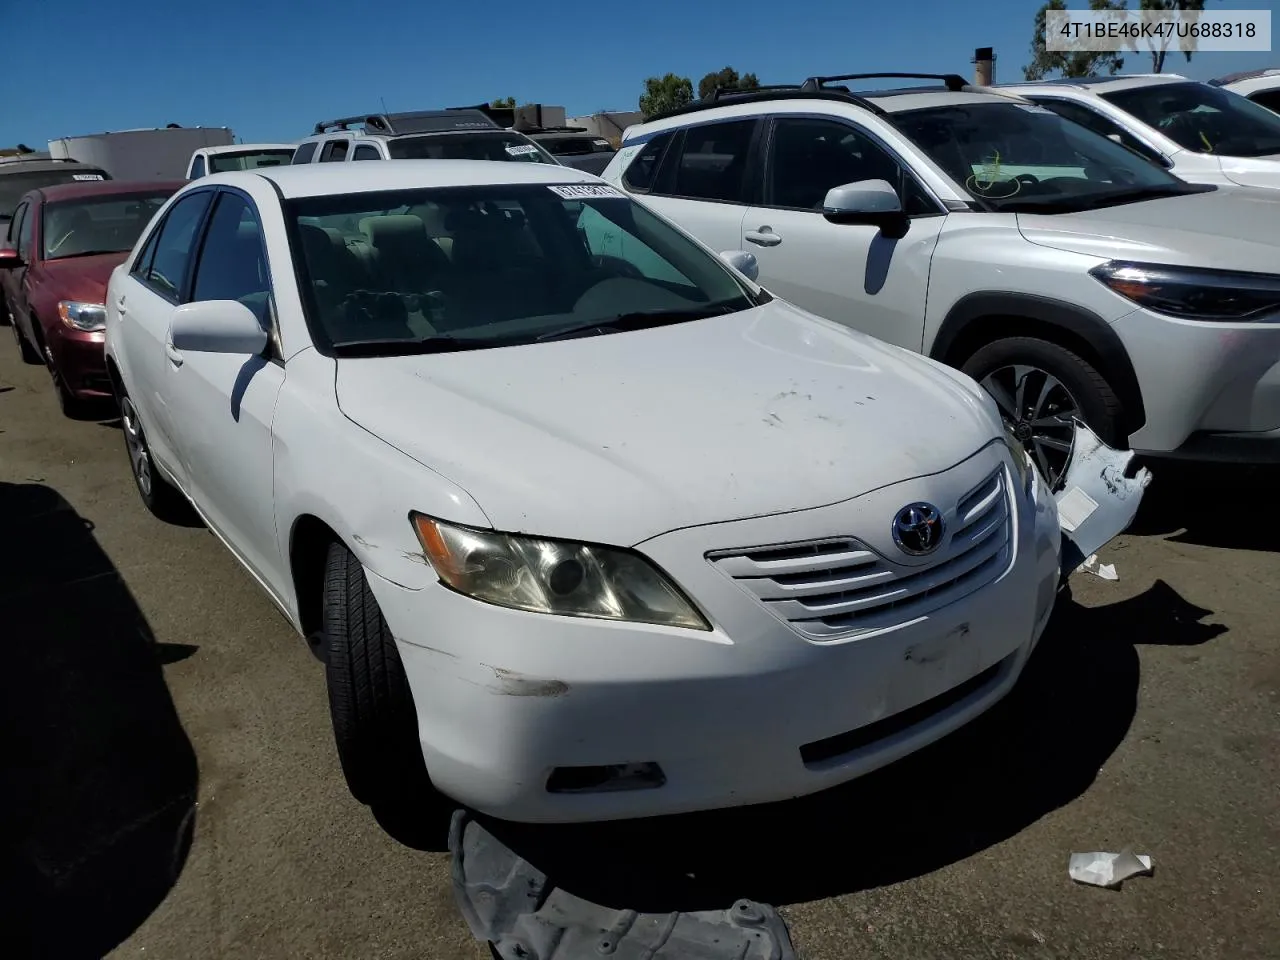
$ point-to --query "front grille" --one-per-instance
(838, 587)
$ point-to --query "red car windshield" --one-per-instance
(92, 225)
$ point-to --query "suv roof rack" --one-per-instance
(1244, 75)
(533, 131)
(953, 81)
(421, 121)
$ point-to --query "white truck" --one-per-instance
(146, 154)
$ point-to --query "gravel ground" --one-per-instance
(152, 693)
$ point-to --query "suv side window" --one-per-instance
(640, 173)
(304, 153)
(809, 156)
(335, 151)
(713, 160)
(175, 245)
(366, 152)
(1086, 117)
(1267, 98)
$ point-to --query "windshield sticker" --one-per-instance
(1032, 108)
(584, 191)
(86, 176)
(522, 149)
(987, 183)
(601, 142)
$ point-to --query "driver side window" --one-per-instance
(808, 157)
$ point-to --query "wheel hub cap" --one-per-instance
(1040, 411)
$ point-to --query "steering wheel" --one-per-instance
(1029, 179)
(619, 268)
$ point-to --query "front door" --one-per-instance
(15, 284)
(223, 404)
(849, 273)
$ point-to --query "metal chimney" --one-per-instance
(984, 67)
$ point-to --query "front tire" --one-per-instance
(1040, 388)
(30, 355)
(375, 725)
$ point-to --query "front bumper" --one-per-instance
(750, 712)
(1200, 380)
(79, 359)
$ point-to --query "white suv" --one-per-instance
(1059, 269)
(1199, 132)
(454, 134)
(1260, 86)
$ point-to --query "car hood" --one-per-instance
(1233, 228)
(621, 437)
(82, 278)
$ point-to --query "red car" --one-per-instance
(59, 251)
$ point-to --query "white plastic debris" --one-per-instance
(1108, 869)
(1107, 571)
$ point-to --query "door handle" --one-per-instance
(764, 237)
(120, 303)
(172, 352)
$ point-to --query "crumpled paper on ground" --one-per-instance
(1108, 869)
(1107, 571)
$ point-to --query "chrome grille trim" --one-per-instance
(836, 588)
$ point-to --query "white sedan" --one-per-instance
(583, 523)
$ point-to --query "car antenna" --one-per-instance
(383, 101)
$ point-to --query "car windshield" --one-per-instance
(489, 266)
(249, 160)
(1202, 118)
(499, 145)
(14, 185)
(1022, 157)
(90, 225)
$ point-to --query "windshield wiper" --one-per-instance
(639, 320)
(412, 346)
(86, 253)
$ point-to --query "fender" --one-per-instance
(959, 335)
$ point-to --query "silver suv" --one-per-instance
(455, 134)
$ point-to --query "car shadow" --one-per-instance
(99, 796)
(1201, 504)
(1034, 752)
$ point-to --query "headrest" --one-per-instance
(393, 225)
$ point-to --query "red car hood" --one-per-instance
(82, 278)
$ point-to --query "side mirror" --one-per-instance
(742, 261)
(871, 202)
(217, 326)
(9, 258)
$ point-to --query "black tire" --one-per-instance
(375, 726)
(163, 499)
(30, 354)
(1094, 398)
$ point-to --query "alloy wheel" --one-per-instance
(136, 444)
(1040, 411)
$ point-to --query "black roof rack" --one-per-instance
(1243, 75)
(953, 81)
(731, 97)
(721, 92)
(534, 131)
(422, 121)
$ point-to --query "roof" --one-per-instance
(245, 148)
(108, 188)
(1100, 84)
(22, 165)
(330, 179)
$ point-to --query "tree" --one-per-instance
(1160, 46)
(504, 103)
(1076, 63)
(665, 93)
(727, 78)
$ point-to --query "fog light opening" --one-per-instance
(606, 779)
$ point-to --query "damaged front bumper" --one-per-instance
(1096, 502)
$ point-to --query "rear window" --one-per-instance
(248, 160)
(468, 146)
(14, 185)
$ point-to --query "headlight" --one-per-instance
(82, 316)
(553, 576)
(1193, 293)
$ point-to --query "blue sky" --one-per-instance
(269, 69)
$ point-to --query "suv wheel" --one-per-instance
(375, 725)
(1040, 387)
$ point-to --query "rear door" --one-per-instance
(144, 302)
(702, 178)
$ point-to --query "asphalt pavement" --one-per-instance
(170, 787)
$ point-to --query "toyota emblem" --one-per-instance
(917, 529)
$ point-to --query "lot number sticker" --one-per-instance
(584, 191)
(86, 176)
(520, 149)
